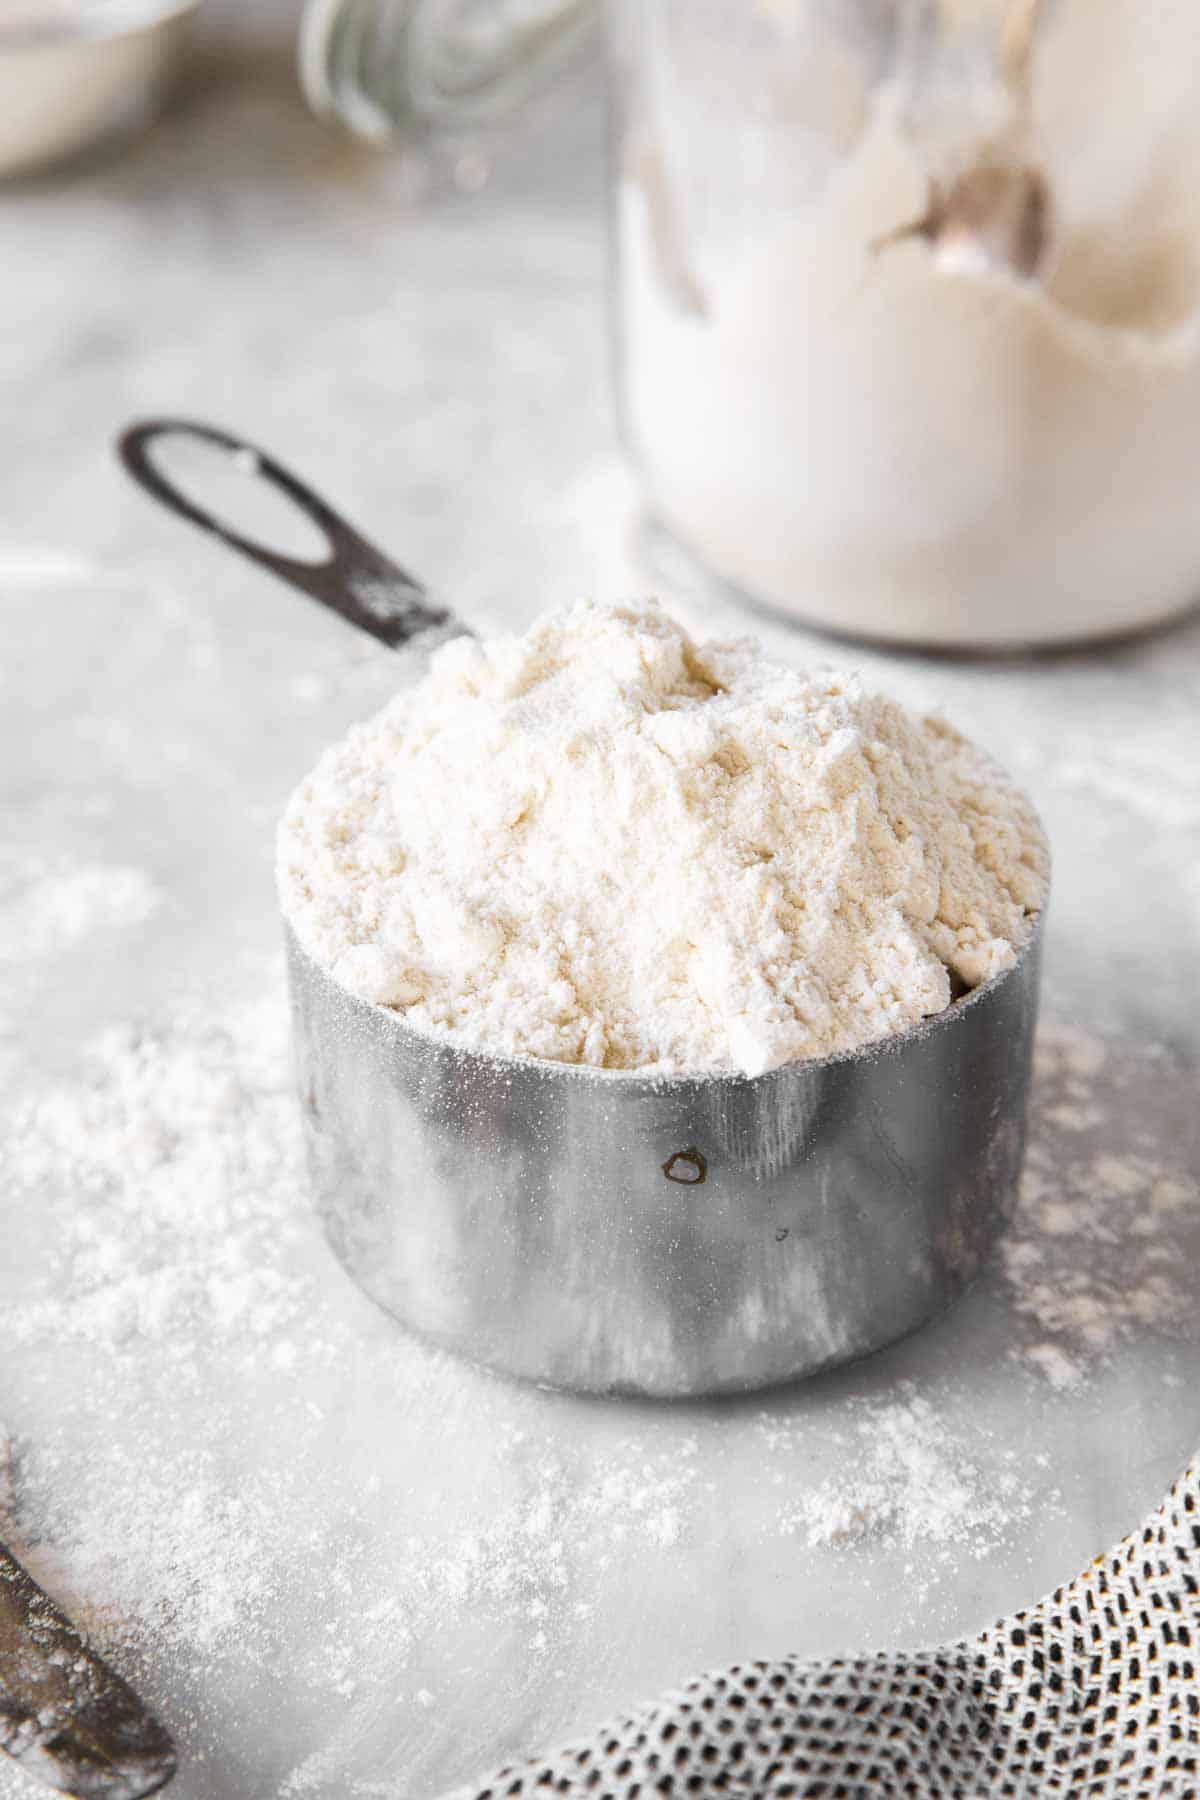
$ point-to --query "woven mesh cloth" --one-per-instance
(1091, 1693)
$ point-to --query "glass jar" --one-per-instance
(395, 71)
(907, 299)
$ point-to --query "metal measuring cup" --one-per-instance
(610, 1232)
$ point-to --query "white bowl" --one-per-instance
(72, 71)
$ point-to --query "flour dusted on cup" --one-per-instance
(604, 843)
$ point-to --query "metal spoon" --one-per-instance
(65, 1716)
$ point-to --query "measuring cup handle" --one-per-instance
(356, 580)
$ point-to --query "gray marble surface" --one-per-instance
(342, 1565)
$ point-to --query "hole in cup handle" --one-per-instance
(354, 579)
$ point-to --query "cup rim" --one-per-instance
(630, 1080)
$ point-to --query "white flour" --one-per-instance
(189, 1275)
(873, 439)
(907, 1478)
(49, 907)
(604, 843)
(1105, 1238)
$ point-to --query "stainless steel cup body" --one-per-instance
(610, 1233)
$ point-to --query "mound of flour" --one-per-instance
(604, 843)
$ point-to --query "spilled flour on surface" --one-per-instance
(8, 1492)
(234, 1470)
(189, 1290)
(187, 1278)
(50, 907)
(906, 1477)
(1105, 1239)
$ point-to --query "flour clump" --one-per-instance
(605, 843)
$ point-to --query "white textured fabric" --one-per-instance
(1093, 1692)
